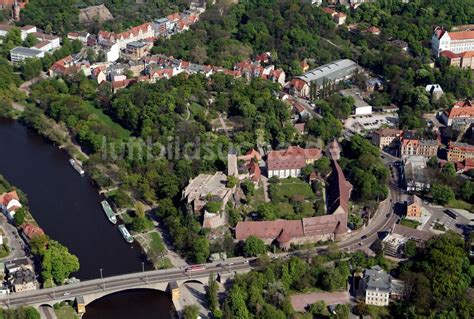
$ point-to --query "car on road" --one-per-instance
(219, 265)
(363, 237)
(67, 293)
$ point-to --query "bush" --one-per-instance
(19, 216)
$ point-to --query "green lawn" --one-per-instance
(409, 223)
(258, 196)
(156, 243)
(66, 312)
(293, 186)
(460, 204)
(108, 121)
(378, 312)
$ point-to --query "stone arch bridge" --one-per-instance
(169, 280)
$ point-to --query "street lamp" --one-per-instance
(102, 278)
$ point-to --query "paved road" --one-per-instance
(122, 282)
(383, 220)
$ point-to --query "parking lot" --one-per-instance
(438, 215)
(365, 123)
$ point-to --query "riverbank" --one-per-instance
(142, 225)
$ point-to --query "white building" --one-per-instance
(456, 42)
(377, 285)
(19, 54)
(289, 162)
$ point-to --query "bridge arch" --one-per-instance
(195, 281)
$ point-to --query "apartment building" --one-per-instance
(386, 138)
(455, 42)
(458, 152)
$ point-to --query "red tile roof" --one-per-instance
(254, 171)
(329, 11)
(283, 237)
(461, 35)
(298, 84)
(251, 154)
(299, 127)
(269, 229)
(461, 109)
(31, 230)
(292, 158)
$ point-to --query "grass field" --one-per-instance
(156, 243)
(293, 186)
(459, 204)
(123, 133)
(66, 312)
(409, 223)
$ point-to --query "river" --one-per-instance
(68, 209)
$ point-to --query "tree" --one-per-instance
(248, 187)
(254, 246)
(191, 311)
(13, 37)
(467, 191)
(342, 312)
(19, 216)
(410, 249)
(212, 291)
(442, 194)
(213, 207)
(57, 263)
(433, 162)
(31, 68)
(235, 305)
(30, 40)
(318, 308)
(76, 46)
(267, 211)
(449, 169)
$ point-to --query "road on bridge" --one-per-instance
(113, 284)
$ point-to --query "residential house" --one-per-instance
(300, 128)
(386, 138)
(411, 146)
(458, 152)
(413, 206)
(248, 166)
(67, 65)
(373, 30)
(328, 227)
(402, 45)
(137, 49)
(461, 113)
(435, 91)
(455, 42)
(98, 75)
(14, 265)
(298, 87)
(81, 36)
(19, 54)
(137, 33)
(338, 17)
(377, 287)
(22, 280)
(24, 31)
(289, 162)
(10, 202)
